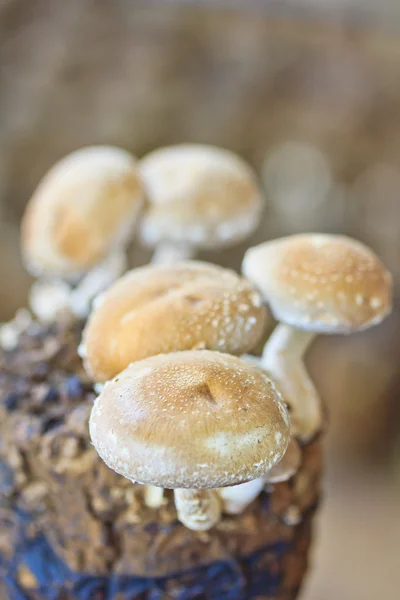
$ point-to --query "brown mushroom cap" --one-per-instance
(321, 283)
(198, 195)
(194, 419)
(85, 205)
(157, 309)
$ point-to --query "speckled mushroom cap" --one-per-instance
(194, 419)
(86, 205)
(198, 195)
(321, 283)
(157, 309)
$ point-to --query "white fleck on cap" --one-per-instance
(321, 283)
(198, 195)
(84, 207)
(194, 419)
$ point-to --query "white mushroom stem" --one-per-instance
(168, 253)
(283, 358)
(47, 299)
(96, 281)
(198, 510)
(237, 498)
(153, 496)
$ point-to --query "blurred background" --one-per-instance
(309, 92)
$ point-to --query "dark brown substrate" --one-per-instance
(71, 528)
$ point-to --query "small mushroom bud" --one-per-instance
(199, 197)
(314, 284)
(191, 421)
(76, 227)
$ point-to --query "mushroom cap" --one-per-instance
(193, 419)
(159, 309)
(321, 283)
(83, 208)
(198, 195)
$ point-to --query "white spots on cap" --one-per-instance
(250, 322)
(125, 453)
(256, 300)
(345, 274)
(375, 302)
(82, 350)
(312, 295)
(278, 437)
(112, 438)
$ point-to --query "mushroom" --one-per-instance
(237, 498)
(76, 227)
(192, 421)
(199, 197)
(314, 283)
(160, 309)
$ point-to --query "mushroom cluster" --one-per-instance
(183, 404)
(314, 283)
(76, 228)
(87, 208)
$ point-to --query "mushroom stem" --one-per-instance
(96, 281)
(238, 497)
(168, 253)
(283, 359)
(198, 510)
(47, 299)
(153, 496)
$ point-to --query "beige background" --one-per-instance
(275, 85)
